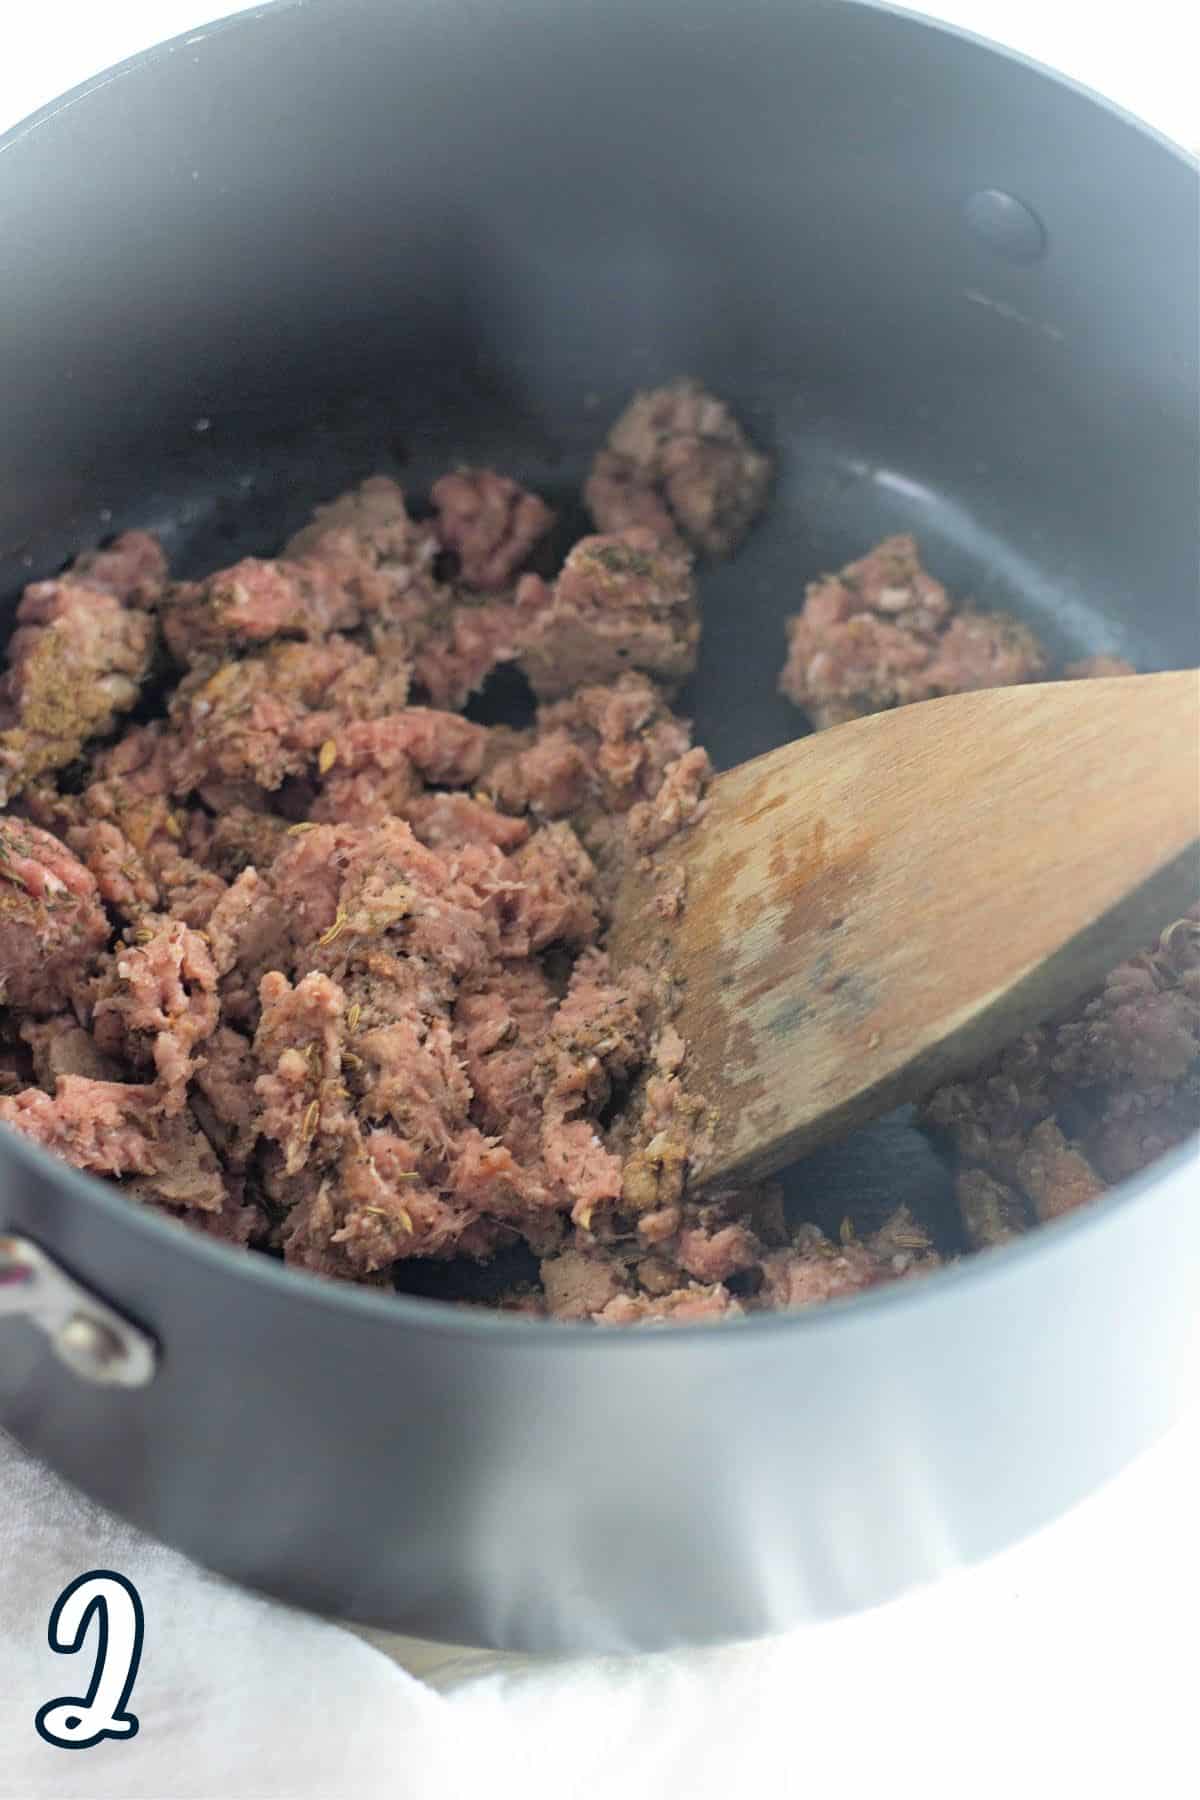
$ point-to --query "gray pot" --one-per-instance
(954, 294)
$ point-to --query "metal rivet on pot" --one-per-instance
(1006, 224)
(93, 1339)
(89, 1346)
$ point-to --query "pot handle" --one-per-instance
(85, 1333)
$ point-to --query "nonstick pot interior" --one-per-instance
(335, 239)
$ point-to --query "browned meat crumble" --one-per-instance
(1083, 1101)
(678, 464)
(314, 963)
(882, 632)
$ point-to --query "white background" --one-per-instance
(1065, 1667)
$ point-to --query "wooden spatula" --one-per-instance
(875, 908)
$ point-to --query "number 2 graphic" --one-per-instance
(102, 1594)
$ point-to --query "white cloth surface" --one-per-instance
(1061, 1667)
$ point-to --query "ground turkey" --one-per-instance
(678, 463)
(76, 662)
(883, 632)
(622, 601)
(311, 961)
(52, 926)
